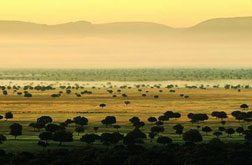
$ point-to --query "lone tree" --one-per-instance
(144, 95)
(217, 134)
(55, 95)
(192, 136)
(8, 115)
(163, 118)
(109, 120)
(43, 120)
(169, 114)
(230, 131)
(214, 114)
(134, 120)
(5, 93)
(152, 119)
(221, 115)
(68, 91)
(81, 121)
(27, 95)
(239, 130)
(102, 105)
(206, 129)
(176, 115)
(164, 140)
(138, 124)
(62, 136)
(126, 102)
(178, 129)
(244, 106)
(238, 115)
(89, 138)
(16, 129)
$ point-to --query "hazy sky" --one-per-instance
(178, 13)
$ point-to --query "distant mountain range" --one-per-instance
(219, 26)
(220, 42)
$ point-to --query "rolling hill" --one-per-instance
(231, 26)
(220, 42)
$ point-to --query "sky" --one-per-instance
(176, 13)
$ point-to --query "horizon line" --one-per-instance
(47, 24)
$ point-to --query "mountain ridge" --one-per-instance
(216, 42)
(233, 26)
(131, 22)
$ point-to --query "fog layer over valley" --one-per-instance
(214, 43)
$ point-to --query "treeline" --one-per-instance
(213, 153)
(63, 132)
(125, 74)
(115, 148)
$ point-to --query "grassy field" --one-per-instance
(27, 110)
(68, 105)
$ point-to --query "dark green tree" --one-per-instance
(16, 129)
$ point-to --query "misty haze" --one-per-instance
(128, 44)
(126, 82)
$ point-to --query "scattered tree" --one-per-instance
(16, 129)
(89, 138)
(152, 119)
(102, 105)
(244, 106)
(178, 129)
(8, 115)
(230, 131)
(206, 129)
(81, 121)
(109, 120)
(217, 134)
(62, 136)
(192, 136)
(126, 102)
(164, 140)
(239, 130)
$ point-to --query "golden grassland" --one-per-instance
(68, 105)
(27, 110)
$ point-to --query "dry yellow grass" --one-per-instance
(68, 106)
